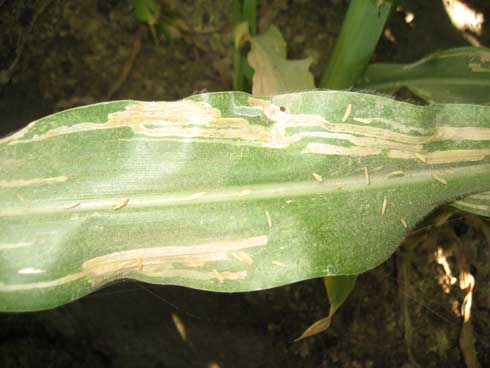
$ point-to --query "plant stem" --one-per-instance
(361, 29)
(243, 11)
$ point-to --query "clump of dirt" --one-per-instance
(55, 55)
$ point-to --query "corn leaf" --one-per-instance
(478, 204)
(267, 57)
(225, 191)
(460, 75)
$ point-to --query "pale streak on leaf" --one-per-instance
(362, 120)
(473, 205)
(242, 257)
(4, 246)
(442, 157)
(280, 264)
(29, 182)
(153, 262)
(330, 149)
(179, 120)
(42, 284)
(191, 274)
(160, 259)
(30, 271)
(481, 196)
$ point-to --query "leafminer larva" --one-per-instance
(317, 177)
(383, 209)
(347, 113)
(120, 204)
(439, 179)
(269, 220)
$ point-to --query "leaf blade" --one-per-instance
(460, 75)
(217, 191)
(268, 58)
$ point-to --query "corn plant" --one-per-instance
(233, 191)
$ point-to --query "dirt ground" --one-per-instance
(405, 313)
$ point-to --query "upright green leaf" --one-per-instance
(361, 29)
(244, 20)
(460, 75)
(224, 191)
(145, 10)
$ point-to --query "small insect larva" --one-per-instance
(404, 223)
(366, 175)
(280, 264)
(317, 177)
(439, 179)
(394, 174)
(245, 192)
(197, 195)
(72, 205)
(347, 113)
(421, 157)
(120, 204)
(383, 208)
(269, 220)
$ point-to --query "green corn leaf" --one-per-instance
(224, 191)
(477, 203)
(460, 75)
(274, 73)
(361, 29)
